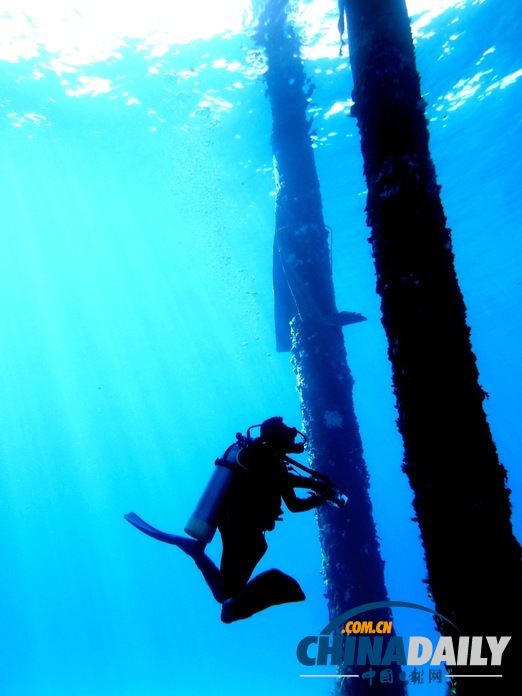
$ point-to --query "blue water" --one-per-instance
(137, 338)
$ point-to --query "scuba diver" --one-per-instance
(243, 500)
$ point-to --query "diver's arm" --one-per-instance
(298, 481)
(295, 504)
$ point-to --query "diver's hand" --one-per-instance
(317, 499)
(322, 488)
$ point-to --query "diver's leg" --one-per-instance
(196, 550)
(208, 568)
(266, 590)
(242, 551)
(193, 548)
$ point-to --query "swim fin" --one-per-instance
(146, 528)
(265, 590)
(184, 543)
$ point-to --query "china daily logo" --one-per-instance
(370, 645)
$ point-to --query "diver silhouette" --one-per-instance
(243, 500)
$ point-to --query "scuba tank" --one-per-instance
(202, 524)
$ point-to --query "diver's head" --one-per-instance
(280, 436)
